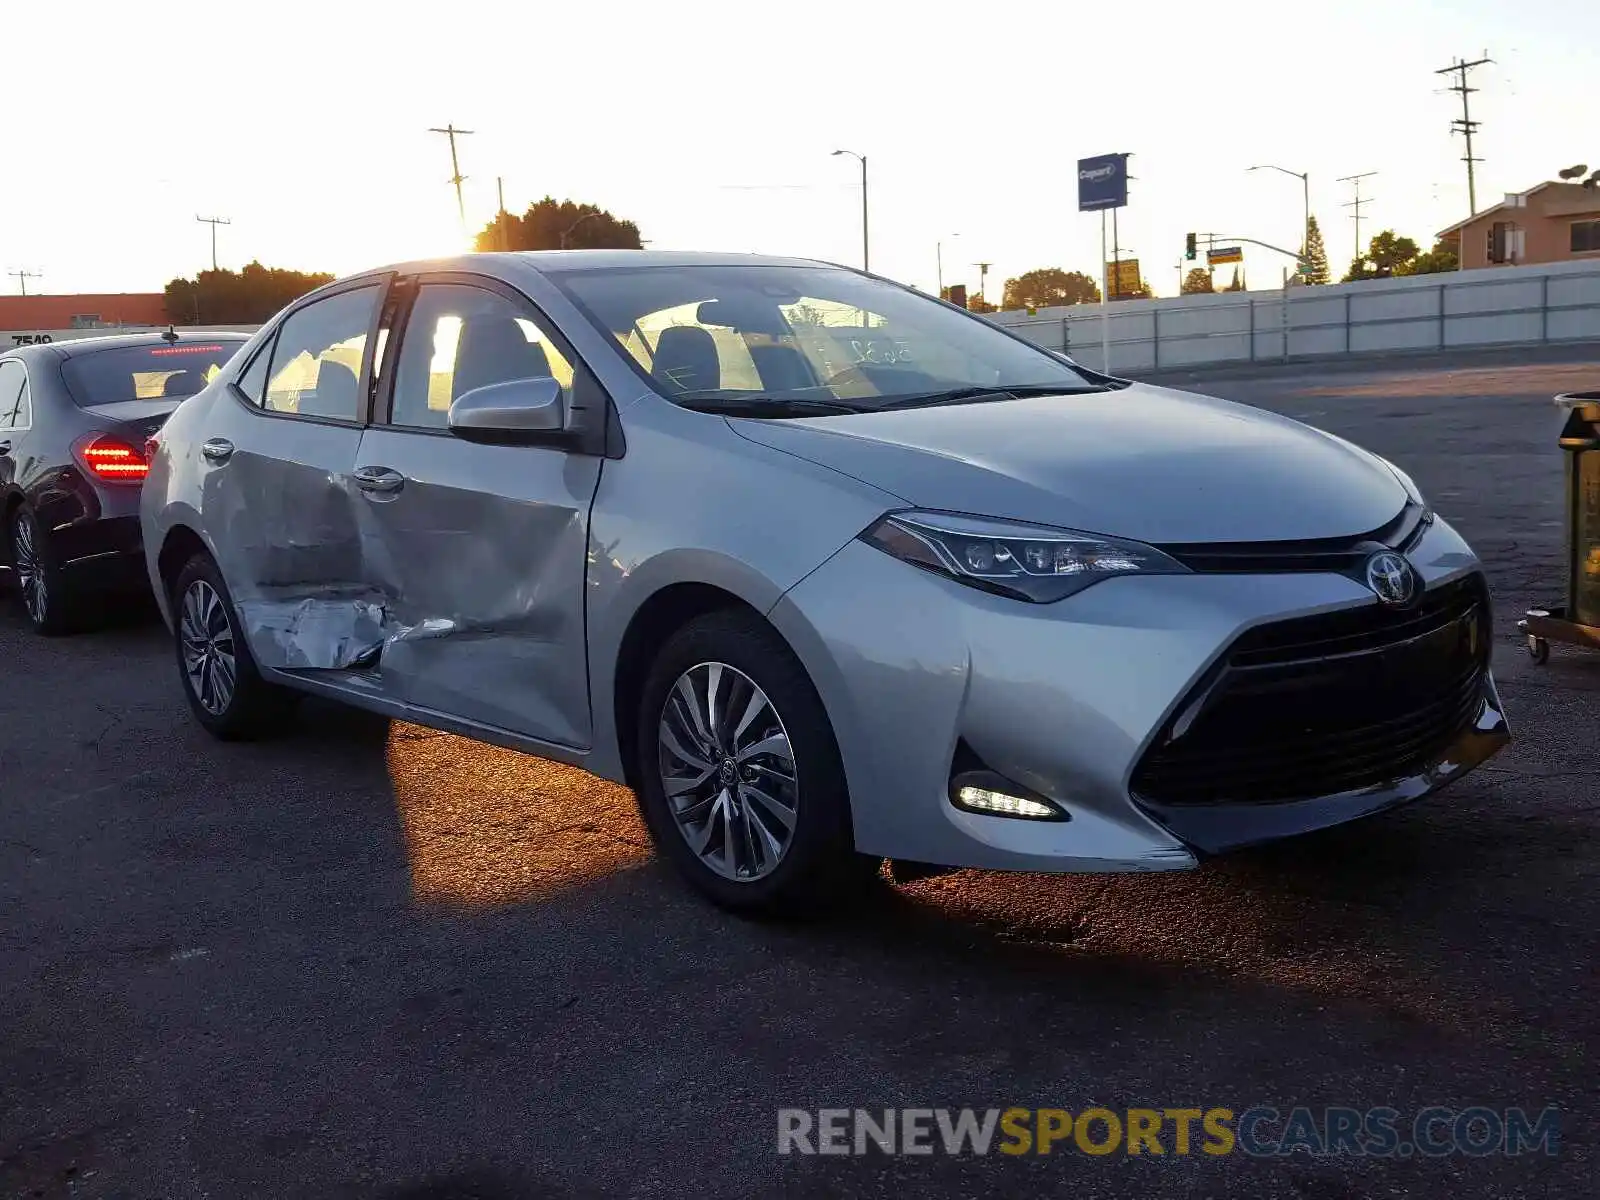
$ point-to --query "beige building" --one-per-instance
(1553, 222)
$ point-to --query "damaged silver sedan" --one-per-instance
(826, 570)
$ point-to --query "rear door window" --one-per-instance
(317, 359)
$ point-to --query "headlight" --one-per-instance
(1028, 562)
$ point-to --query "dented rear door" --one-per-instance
(479, 551)
(276, 489)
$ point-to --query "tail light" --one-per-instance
(112, 459)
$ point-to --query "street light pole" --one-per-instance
(938, 251)
(588, 216)
(865, 258)
(1305, 188)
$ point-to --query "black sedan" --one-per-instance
(74, 420)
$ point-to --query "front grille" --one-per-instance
(1319, 705)
(1340, 555)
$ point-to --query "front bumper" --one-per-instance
(1064, 699)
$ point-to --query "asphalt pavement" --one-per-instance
(372, 960)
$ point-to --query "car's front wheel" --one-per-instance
(219, 674)
(739, 774)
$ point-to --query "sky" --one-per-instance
(712, 126)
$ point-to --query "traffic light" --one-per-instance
(1188, 247)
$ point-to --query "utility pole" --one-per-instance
(983, 276)
(500, 199)
(1465, 125)
(1116, 259)
(213, 222)
(22, 278)
(456, 177)
(1355, 181)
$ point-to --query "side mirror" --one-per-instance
(517, 411)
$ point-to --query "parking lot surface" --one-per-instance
(369, 959)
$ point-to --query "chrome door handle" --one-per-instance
(379, 481)
(217, 450)
(5, 447)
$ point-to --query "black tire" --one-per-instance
(819, 870)
(253, 707)
(42, 592)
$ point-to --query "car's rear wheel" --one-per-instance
(220, 678)
(739, 774)
(41, 587)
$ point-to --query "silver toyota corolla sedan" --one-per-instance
(826, 570)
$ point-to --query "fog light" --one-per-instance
(986, 792)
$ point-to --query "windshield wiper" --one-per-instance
(972, 395)
(767, 406)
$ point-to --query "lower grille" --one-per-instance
(1319, 705)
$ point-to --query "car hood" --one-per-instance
(1140, 462)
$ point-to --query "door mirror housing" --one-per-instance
(527, 412)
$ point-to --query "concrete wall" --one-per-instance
(1499, 306)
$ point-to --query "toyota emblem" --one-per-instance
(1391, 579)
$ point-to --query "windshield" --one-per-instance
(766, 339)
(154, 372)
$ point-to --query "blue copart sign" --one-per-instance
(1102, 182)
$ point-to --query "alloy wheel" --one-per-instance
(728, 771)
(208, 649)
(30, 569)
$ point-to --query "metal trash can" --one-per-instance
(1576, 622)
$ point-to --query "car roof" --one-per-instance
(544, 261)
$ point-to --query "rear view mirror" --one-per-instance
(516, 411)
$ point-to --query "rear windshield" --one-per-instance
(145, 372)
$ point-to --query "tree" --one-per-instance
(1388, 255)
(1317, 253)
(1048, 287)
(559, 225)
(978, 304)
(1441, 258)
(1359, 269)
(1238, 282)
(246, 297)
(1197, 282)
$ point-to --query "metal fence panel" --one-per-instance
(1497, 306)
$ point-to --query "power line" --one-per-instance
(456, 177)
(1355, 181)
(22, 278)
(213, 222)
(1464, 124)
